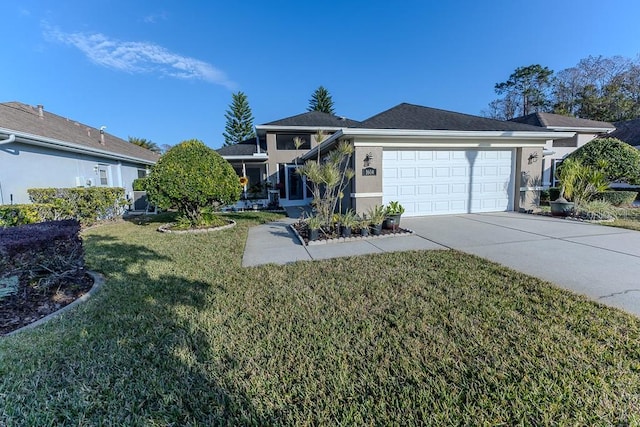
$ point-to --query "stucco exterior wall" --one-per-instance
(366, 187)
(25, 166)
(277, 157)
(528, 178)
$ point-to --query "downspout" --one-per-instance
(9, 140)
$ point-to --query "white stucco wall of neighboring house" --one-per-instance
(24, 166)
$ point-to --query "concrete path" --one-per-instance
(600, 262)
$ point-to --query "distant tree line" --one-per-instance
(597, 88)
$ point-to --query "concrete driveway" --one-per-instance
(600, 262)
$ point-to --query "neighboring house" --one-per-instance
(556, 150)
(431, 161)
(628, 131)
(41, 149)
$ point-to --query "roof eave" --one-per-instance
(38, 140)
(581, 129)
(410, 134)
(254, 157)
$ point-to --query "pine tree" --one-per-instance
(321, 101)
(239, 125)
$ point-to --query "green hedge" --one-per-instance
(554, 193)
(617, 198)
(87, 205)
(14, 215)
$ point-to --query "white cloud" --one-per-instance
(139, 57)
(155, 17)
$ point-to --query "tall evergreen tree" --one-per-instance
(239, 120)
(530, 87)
(321, 101)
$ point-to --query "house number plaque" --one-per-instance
(369, 171)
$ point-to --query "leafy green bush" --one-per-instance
(87, 205)
(191, 176)
(617, 198)
(14, 215)
(618, 160)
(139, 184)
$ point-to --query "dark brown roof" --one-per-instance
(245, 148)
(627, 131)
(409, 116)
(550, 120)
(314, 119)
(24, 118)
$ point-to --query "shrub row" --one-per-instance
(617, 198)
(48, 252)
(87, 205)
(14, 215)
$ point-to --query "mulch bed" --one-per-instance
(31, 304)
(303, 232)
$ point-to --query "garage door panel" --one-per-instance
(408, 155)
(429, 182)
(425, 172)
(459, 171)
(458, 189)
(407, 173)
(389, 173)
(424, 190)
(443, 172)
(408, 190)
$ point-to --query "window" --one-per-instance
(284, 141)
(554, 168)
(142, 173)
(103, 175)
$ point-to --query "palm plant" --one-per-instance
(329, 179)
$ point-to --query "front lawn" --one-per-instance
(181, 334)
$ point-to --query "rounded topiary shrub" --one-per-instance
(619, 161)
(192, 177)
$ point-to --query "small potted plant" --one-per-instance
(393, 211)
(348, 220)
(313, 225)
(376, 217)
(363, 224)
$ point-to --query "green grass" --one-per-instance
(182, 335)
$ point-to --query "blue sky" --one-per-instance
(165, 70)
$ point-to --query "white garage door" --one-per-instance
(435, 182)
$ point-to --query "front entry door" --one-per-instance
(295, 187)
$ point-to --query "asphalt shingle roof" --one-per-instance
(556, 120)
(627, 131)
(21, 117)
(409, 116)
(314, 119)
(244, 148)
